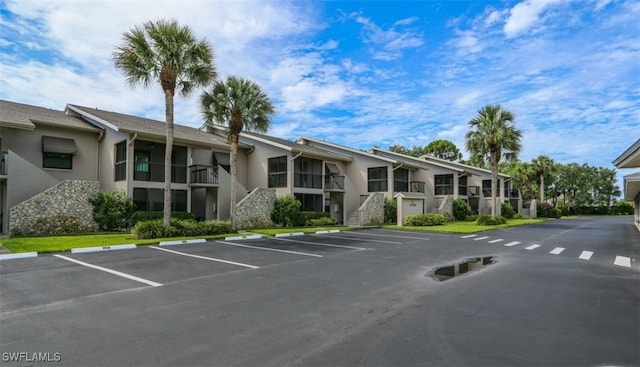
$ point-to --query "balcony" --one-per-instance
(334, 183)
(4, 162)
(203, 176)
(307, 181)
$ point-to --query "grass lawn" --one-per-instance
(468, 227)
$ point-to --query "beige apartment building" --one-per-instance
(630, 158)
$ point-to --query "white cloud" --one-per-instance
(524, 16)
(392, 41)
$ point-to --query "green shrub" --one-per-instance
(449, 217)
(487, 220)
(390, 211)
(179, 228)
(286, 211)
(306, 216)
(622, 208)
(471, 218)
(324, 221)
(556, 213)
(142, 216)
(507, 210)
(546, 210)
(518, 216)
(460, 209)
(425, 220)
(112, 210)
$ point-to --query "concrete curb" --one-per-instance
(21, 255)
(182, 242)
(84, 250)
(289, 234)
(329, 231)
(249, 237)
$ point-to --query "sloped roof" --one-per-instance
(414, 161)
(465, 167)
(23, 116)
(140, 125)
(630, 158)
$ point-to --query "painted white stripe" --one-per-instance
(622, 261)
(270, 249)
(322, 244)
(481, 238)
(557, 250)
(21, 255)
(249, 237)
(289, 234)
(83, 250)
(496, 241)
(512, 243)
(182, 242)
(205, 258)
(469, 236)
(360, 239)
(111, 271)
(532, 247)
(585, 255)
(329, 231)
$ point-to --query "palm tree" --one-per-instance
(239, 103)
(542, 166)
(169, 54)
(493, 135)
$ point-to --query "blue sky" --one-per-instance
(361, 73)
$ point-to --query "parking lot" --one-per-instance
(266, 301)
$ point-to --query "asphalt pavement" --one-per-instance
(560, 293)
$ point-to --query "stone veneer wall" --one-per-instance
(372, 210)
(255, 209)
(63, 208)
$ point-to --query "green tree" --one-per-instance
(605, 188)
(522, 175)
(543, 165)
(112, 210)
(240, 103)
(493, 135)
(443, 149)
(416, 151)
(166, 53)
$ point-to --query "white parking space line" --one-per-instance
(512, 243)
(622, 261)
(585, 255)
(269, 249)
(496, 241)
(205, 257)
(557, 250)
(115, 272)
(322, 244)
(469, 236)
(386, 235)
(532, 247)
(356, 239)
(481, 238)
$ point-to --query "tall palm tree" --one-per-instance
(240, 103)
(493, 135)
(543, 165)
(169, 54)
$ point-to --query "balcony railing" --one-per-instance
(417, 186)
(204, 175)
(154, 172)
(334, 182)
(4, 163)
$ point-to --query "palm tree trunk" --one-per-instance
(168, 99)
(233, 158)
(494, 183)
(541, 189)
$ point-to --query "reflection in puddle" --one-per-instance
(450, 271)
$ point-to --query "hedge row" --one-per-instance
(425, 220)
(143, 216)
(179, 228)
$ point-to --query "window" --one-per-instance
(443, 184)
(377, 179)
(307, 173)
(277, 174)
(153, 199)
(121, 161)
(142, 171)
(58, 152)
(486, 188)
(401, 180)
(462, 185)
(310, 202)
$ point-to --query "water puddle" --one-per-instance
(470, 265)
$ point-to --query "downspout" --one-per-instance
(129, 162)
(293, 159)
(100, 138)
